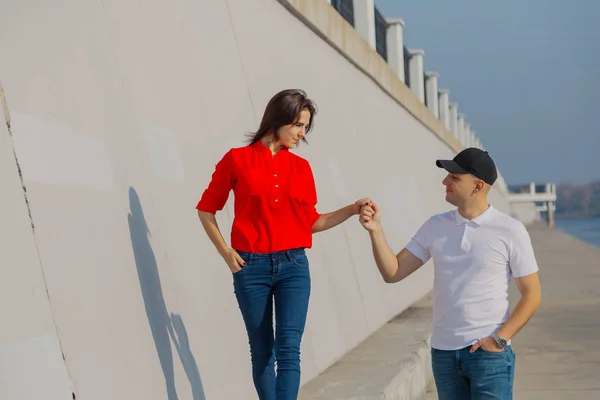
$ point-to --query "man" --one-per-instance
(475, 250)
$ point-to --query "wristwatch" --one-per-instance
(500, 342)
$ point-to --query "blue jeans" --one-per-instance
(481, 375)
(281, 279)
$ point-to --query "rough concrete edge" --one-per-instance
(352, 46)
(412, 381)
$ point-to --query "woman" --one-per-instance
(275, 218)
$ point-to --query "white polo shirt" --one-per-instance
(473, 263)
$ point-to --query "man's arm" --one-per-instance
(393, 268)
(531, 297)
(524, 268)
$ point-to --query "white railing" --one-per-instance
(423, 84)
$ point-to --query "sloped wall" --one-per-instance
(119, 111)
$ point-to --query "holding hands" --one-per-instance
(359, 204)
(370, 216)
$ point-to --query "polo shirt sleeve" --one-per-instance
(309, 206)
(216, 194)
(419, 244)
(522, 260)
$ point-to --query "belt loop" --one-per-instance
(288, 255)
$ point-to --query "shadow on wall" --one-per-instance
(165, 327)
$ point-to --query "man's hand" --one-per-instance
(370, 217)
(233, 260)
(487, 344)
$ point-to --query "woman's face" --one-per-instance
(290, 135)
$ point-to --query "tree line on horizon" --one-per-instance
(578, 201)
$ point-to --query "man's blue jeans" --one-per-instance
(460, 375)
(280, 279)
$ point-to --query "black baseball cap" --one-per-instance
(472, 161)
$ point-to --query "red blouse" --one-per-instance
(274, 198)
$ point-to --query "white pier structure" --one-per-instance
(547, 197)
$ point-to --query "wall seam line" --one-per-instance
(35, 241)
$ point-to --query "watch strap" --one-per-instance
(500, 342)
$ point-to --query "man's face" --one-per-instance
(460, 188)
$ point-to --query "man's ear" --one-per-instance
(479, 185)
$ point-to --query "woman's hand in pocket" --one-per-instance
(233, 260)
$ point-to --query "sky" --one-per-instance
(525, 73)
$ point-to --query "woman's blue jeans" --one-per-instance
(279, 280)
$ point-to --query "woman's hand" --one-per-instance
(233, 260)
(329, 220)
(359, 204)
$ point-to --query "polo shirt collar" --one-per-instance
(479, 220)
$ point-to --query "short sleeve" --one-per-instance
(522, 260)
(419, 244)
(310, 204)
(216, 194)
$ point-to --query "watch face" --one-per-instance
(501, 342)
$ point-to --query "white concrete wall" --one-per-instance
(31, 364)
(119, 117)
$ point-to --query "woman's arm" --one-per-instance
(214, 199)
(209, 223)
(231, 257)
(328, 220)
(332, 219)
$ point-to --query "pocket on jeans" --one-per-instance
(501, 352)
(247, 259)
(242, 268)
(300, 261)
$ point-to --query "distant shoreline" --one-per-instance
(575, 216)
(579, 202)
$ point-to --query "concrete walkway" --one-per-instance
(558, 351)
(392, 363)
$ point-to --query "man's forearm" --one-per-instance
(329, 220)
(526, 307)
(386, 260)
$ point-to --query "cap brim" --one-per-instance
(451, 167)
